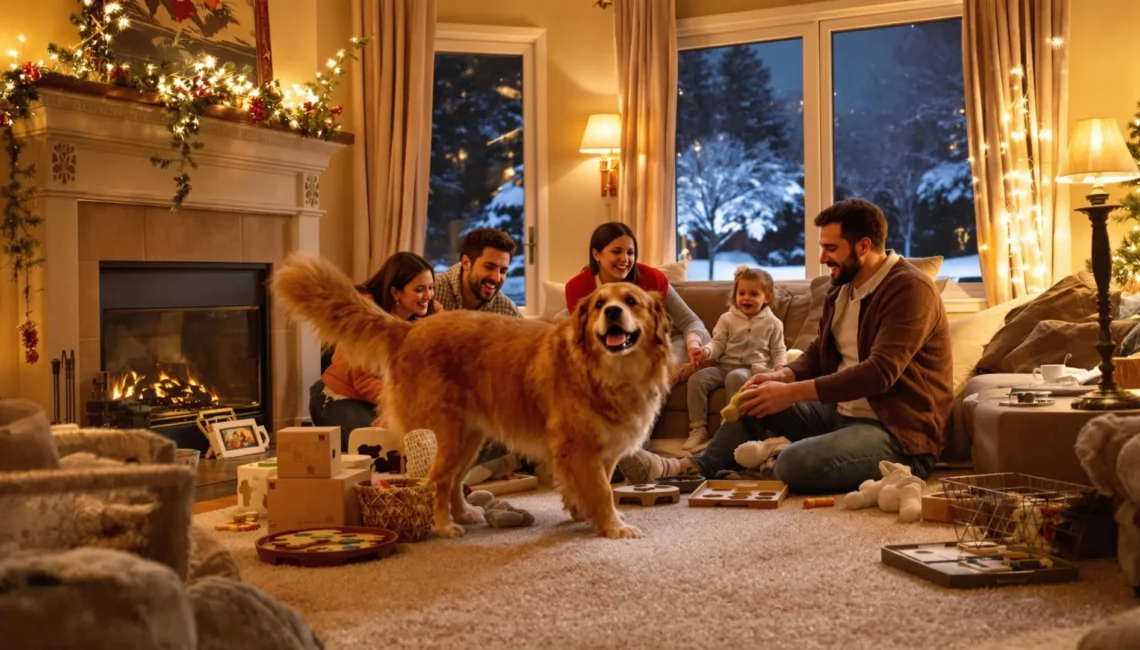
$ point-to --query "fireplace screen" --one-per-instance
(177, 360)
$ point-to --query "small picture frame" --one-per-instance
(233, 438)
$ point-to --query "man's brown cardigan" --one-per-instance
(905, 369)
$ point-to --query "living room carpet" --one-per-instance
(700, 578)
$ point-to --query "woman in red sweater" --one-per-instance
(347, 397)
(613, 258)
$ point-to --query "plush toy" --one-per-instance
(499, 513)
(898, 491)
(731, 411)
(1108, 448)
(760, 454)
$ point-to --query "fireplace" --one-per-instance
(179, 338)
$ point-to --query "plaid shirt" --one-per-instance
(449, 294)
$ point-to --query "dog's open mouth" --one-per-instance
(616, 339)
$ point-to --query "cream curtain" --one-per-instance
(645, 38)
(392, 124)
(1015, 62)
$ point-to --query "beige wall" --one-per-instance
(694, 8)
(1104, 81)
(580, 80)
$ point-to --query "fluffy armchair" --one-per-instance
(1108, 448)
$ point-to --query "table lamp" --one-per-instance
(1097, 155)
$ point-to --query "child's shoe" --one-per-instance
(698, 437)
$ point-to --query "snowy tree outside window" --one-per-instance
(477, 158)
(740, 160)
(899, 135)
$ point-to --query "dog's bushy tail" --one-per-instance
(316, 292)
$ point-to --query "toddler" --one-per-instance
(747, 340)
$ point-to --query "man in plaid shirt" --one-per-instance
(475, 282)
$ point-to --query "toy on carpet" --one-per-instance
(766, 495)
(819, 502)
(647, 494)
(898, 491)
(496, 468)
(326, 546)
(499, 513)
(243, 522)
(760, 455)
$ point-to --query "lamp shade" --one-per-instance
(1097, 152)
(603, 134)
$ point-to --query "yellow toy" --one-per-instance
(731, 411)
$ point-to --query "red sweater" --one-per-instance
(583, 284)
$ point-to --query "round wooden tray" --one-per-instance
(326, 546)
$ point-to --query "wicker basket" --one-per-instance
(406, 508)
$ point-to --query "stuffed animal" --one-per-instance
(499, 513)
(731, 411)
(898, 491)
(495, 468)
(1108, 447)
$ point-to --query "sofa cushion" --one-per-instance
(970, 334)
(1049, 341)
(1072, 299)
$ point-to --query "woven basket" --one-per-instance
(405, 509)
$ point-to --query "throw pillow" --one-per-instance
(1129, 306)
(1072, 299)
(809, 330)
(928, 265)
(1049, 341)
(553, 299)
(675, 271)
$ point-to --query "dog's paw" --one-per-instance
(450, 530)
(622, 531)
(469, 515)
(575, 514)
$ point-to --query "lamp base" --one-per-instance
(1107, 400)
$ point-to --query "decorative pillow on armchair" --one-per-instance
(1051, 340)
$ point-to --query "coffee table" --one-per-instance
(1037, 440)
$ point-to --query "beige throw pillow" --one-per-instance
(1049, 341)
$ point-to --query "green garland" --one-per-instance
(185, 90)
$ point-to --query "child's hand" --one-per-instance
(698, 355)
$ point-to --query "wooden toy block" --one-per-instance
(765, 495)
(819, 502)
(308, 452)
(253, 485)
(936, 508)
(647, 494)
(509, 484)
(235, 527)
(316, 501)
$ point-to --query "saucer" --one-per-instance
(1057, 389)
(1045, 402)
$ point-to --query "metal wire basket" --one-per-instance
(1046, 516)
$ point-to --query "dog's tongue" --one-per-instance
(615, 340)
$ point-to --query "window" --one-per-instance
(740, 159)
(880, 116)
(486, 168)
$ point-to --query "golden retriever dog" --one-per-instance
(580, 393)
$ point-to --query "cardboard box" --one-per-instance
(317, 501)
(253, 485)
(308, 452)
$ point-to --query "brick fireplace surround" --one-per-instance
(255, 199)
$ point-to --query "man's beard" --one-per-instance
(476, 287)
(848, 269)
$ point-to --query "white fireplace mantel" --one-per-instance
(90, 148)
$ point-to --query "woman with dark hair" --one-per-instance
(613, 258)
(348, 397)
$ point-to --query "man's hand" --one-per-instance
(761, 378)
(772, 396)
(697, 356)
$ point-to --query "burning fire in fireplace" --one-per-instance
(166, 391)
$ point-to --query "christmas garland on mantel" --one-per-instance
(184, 91)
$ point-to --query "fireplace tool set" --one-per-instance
(69, 414)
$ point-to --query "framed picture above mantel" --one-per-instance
(230, 31)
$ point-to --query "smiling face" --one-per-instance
(416, 296)
(616, 259)
(841, 257)
(486, 274)
(620, 318)
(750, 296)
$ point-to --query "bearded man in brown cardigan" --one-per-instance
(874, 385)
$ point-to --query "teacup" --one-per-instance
(1054, 373)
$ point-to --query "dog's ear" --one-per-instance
(582, 313)
(662, 323)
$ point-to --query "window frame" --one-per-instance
(814, 24)
(530, 43)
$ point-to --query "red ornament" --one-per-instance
(201, 87)
(257, 109)
(184, 9)
(30, 338)
(4, 119)
(31, 72)
(308, 106)
(336, 110)
(119, 73)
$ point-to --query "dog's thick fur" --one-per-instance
(553, 392)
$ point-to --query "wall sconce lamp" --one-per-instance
(603, 137)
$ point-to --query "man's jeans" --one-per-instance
(830, 453)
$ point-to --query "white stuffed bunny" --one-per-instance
(898, 491)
